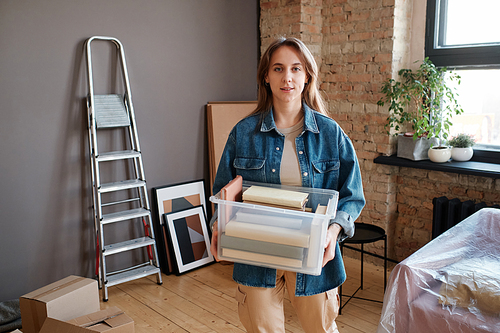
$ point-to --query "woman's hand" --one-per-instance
(331, 242)
(213, 245)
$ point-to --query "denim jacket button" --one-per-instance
(301, 152)
(305, 174)
(277, 148)
(273, 170)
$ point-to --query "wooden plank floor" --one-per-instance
(203, 301)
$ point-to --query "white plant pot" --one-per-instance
(439, 154)
(461, 154)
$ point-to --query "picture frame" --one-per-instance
(168, 199)
(172, 198)
(189, 237)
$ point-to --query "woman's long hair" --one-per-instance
(311, 94)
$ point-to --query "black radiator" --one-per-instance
(448, 212)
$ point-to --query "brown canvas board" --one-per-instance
(221, 118)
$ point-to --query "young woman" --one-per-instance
(289, 139)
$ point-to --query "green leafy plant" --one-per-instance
(462, 141)
(421, 99)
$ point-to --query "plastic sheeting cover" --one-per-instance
(452, 284)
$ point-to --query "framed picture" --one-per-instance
(169, 199)
(174, 198)
(188, 234)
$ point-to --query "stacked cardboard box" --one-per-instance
(70, 305)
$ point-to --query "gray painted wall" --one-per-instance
(180, 54)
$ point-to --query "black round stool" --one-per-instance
(364, 233)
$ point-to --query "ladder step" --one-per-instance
(110, 111)
(124, 215)
(111, 203)
(128, 245)
(132, 274)
(121, 185)
(118, 155)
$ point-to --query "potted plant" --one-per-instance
(462, 147)
(422, 103)
(439, 154)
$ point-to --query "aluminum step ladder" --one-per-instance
(115, 112)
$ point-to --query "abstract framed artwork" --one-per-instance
(188, 234)
(169, 199)
(177, 197)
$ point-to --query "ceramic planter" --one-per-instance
(439, 154)
(415, 150)
(461, 154)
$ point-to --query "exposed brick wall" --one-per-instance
(358, 44)
(292, 18)
(415, 191)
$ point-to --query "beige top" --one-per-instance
(290, 170)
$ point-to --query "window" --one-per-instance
(465, 37)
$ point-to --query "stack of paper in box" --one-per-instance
(275, 197)
(251, 232)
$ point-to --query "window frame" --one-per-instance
(480, 55)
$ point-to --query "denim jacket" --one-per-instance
(327, 160)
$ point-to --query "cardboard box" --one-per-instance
(65, 299)
(111, 320)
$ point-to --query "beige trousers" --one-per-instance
(261, 309)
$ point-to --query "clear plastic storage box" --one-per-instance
(274, 237)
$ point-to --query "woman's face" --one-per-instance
(286, 76)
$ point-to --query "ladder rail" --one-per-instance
(94, 151)
(94, 197)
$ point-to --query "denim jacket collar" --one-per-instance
(310, 124)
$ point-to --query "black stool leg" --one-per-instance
(362, 252)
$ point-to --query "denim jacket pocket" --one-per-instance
(251, 169)
(326, 173)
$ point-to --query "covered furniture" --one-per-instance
(452, 284)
